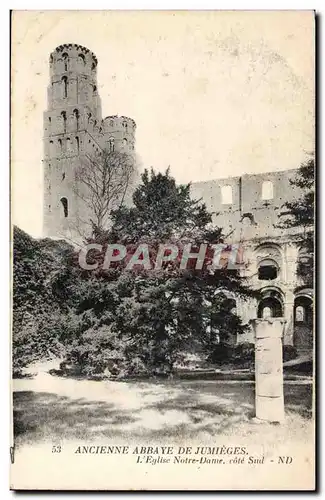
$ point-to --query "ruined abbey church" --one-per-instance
(247, 207)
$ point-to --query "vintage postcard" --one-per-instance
(162, 167)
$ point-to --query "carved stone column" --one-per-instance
(269, 369)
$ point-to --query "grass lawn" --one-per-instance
(58, 409)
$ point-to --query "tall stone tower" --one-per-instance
(74, 131)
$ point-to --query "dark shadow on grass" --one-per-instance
(298, 399)
(198, 407)
(42, 416)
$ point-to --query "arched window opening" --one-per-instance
(51, 148)
(230, 305)
(81, 59)
(93, 66)
(125, 143)
(65, 58)
(125, 125)
(77, 142)
(267, 270)
(270, 307)
(226, 195)
(64, 118)
(111, 123)
(63, 176)
(65, 88)
(68, 145)
(303, 310)
(111, 145)
(76, 116)
(88, 117)
(60, 145)
(50, 120)
(300, 314)
(64, 203)
(94, 89)
(267, 190)
(248, 219)
(266, 312)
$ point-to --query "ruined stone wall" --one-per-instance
(247, 208)
(239, 208)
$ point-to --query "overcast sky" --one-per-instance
(214, 94)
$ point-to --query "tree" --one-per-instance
(41, 297)
(160, 314)
(301, 214)
(103, 181)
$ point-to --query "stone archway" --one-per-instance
(271, 305)
(303, 321)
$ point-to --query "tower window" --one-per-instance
(81, 58)
(94, 89)
(50, 120)
(111, 145)
(64, 203)
(125, 142)
(63, 176)
(111, 123)
(88, 116)
(77, 142)
(60, 144)
(76, 116)
(65, 88)
(226, 195)
(65, 60)
(125, 125)
(64, 118)
(267, 190)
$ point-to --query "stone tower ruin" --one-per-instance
(74, 130)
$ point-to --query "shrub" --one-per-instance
(240, 354)
(243, 354)
(289, 352)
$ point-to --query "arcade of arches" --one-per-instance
(273, 271)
